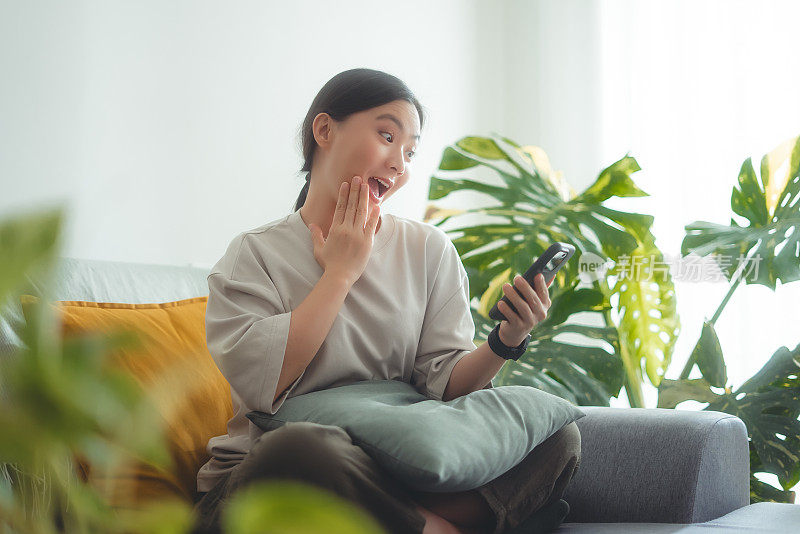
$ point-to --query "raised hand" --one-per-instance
(346, 250)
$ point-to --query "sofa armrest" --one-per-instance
(658, 465)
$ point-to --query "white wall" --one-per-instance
(553, 77)
(168, 127)
(165, 128)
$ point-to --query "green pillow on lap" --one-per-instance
(432, 445)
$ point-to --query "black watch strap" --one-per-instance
(504, 351)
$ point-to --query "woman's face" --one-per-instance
(375, 143)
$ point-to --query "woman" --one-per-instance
(336, 293)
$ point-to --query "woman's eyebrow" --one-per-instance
(396, 120)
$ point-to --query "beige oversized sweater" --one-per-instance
(406, 318)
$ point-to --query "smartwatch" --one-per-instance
(504, 351)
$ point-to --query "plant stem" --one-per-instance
(632, 382)
(725, 300)
(690, 362)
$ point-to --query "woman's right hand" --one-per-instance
(347, 248)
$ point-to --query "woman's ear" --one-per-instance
(322, 128)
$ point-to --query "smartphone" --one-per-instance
(548, 264)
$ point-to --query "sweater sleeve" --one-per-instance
(247, 328)
(448, 329)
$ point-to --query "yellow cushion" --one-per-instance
(193, 398)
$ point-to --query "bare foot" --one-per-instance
(436, 524)
(466, 509)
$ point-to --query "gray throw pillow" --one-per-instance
(429, 444)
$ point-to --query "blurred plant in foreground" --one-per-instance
(63, 405)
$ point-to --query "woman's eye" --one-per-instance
(410, 154)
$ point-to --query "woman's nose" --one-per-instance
(398, 166)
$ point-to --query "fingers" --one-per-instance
(511, 316)
(542, 291)
(532, 298)
(363, 206)
(373, 220)
(341, 203)
(526, 301)
(352, 203)
(524, 313)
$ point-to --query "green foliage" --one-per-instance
(769, 402)
(29, 245)
(294, 508)
(61, 402)
(537, 207)
(772, 207)
(708, 356)
(649, 325)
(769, 405)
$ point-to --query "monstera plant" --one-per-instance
(767, 249)
(596, 337)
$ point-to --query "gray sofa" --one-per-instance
(642, 470)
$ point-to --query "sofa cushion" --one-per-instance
(174, 366)
(103, 281)
(429, 444)
(761, 517)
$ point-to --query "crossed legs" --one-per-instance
(325, 456)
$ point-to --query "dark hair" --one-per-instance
(346, 93)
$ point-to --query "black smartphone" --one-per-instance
(548, 264)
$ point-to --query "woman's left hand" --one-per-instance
(531, 310)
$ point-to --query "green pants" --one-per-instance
(325, 456)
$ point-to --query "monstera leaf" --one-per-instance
(770, 244)
(534, 208)
(708, 356)
(769, 405)
(765, 251)
(761, 491)
(649, 325)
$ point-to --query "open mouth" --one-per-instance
(376, 188)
